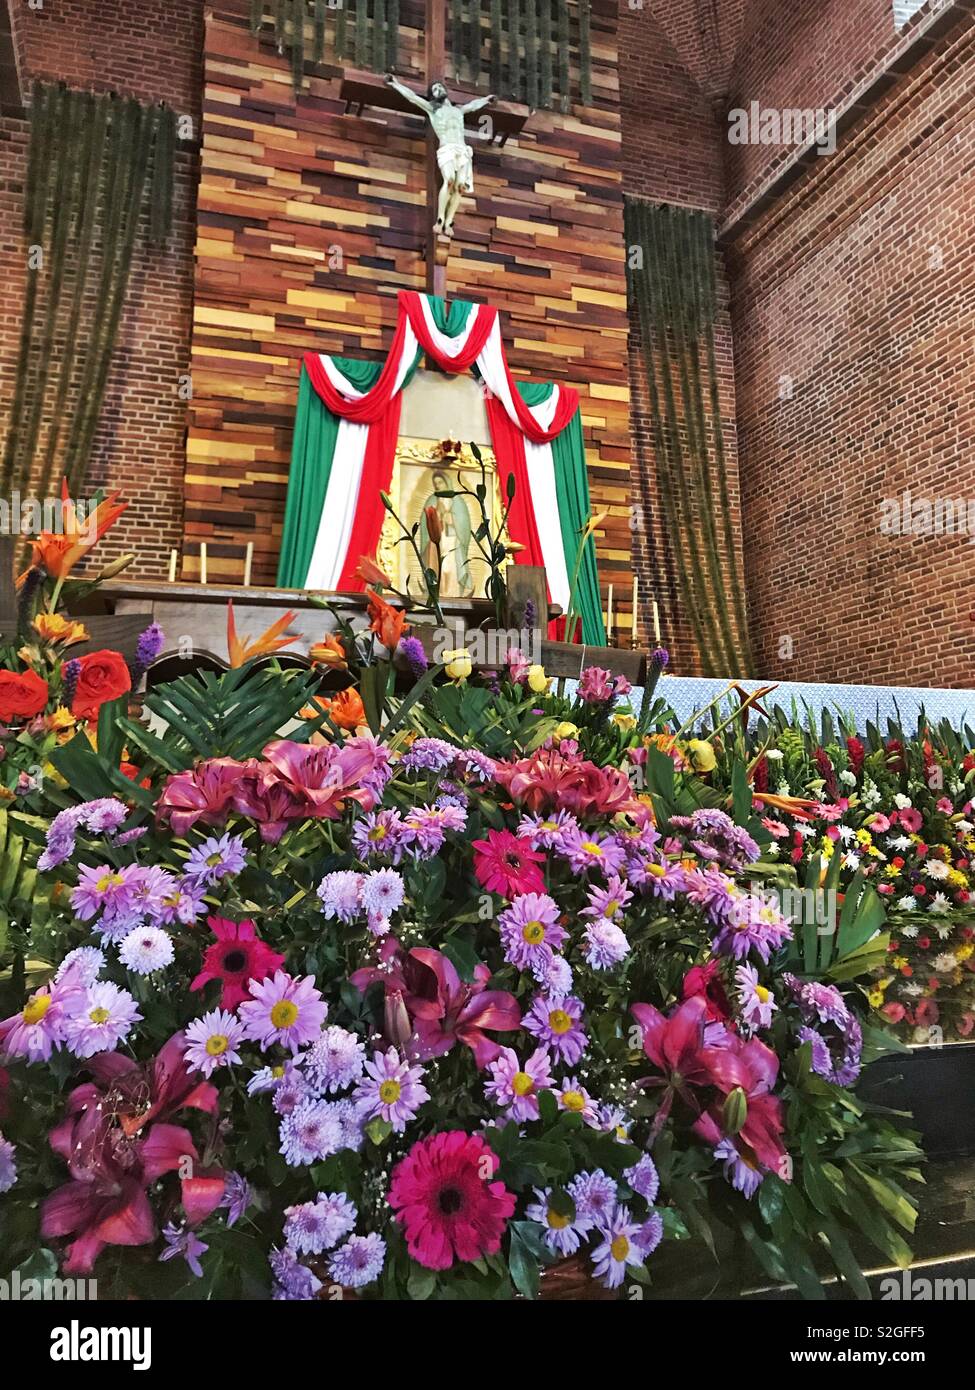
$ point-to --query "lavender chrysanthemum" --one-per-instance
(605, 945)
(146, 949)
(359, 1261)
(8, 1164)
(335, 1060)
(643, 1178)
(382, 892)
(310, 1133)
(341, 895)
(87, 963)
(311, 1228)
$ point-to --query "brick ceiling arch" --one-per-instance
(705, 35)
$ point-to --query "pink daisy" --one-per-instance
(283, 1010)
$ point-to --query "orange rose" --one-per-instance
(103, 676)
(22, 694)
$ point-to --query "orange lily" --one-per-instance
(345, 709)
(269, 640)
(329, 652)
(57, 554)
(370, 573)
(52, 627)
(386, 621)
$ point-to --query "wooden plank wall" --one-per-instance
(310, 220)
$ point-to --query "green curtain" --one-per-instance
(572, 491)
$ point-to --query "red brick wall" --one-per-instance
(152, 51)
(860, 287)
(671, 154)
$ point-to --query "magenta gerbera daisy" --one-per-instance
(237, 958)
(506, 865)
(283, 1010)
(446, 1201)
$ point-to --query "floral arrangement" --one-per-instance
(436, 1001)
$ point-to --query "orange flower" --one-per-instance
(369, 572)
(434, 526)
(57, 554)
(329, 652)
(387, 622)
(796, 806)
(345, 709)
(52, 627)
(269, 640)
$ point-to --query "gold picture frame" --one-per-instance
(417, 467)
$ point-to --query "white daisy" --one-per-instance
(936, 868)
(943, 962)
(939, 903)
(907, 904)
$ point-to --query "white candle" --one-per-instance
(172, 567)
(203, 562)
(656, 623)
(609, 614)
(248, 562)
(635, 584)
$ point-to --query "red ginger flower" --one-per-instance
(445, 1201)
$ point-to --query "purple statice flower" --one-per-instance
(545, 832)
(587, 850)
(8, 1164)
(430, 825)
(359, 1261)
(295, 1281)
(515, 1086)
(148, 647)
(643, 1178)
(341, 895)
(391, 1089)
(604, 944)
(70, 672)
(712, 891)
(530, 930)
(429, 755)
(146, 949)
(99, 1020)
(754, 924)
(212, 1041)
(311, 1228)
(660, 878)
(411, 649)
(382, 892)
(743, 1176)
(236, 1196)
(830, 1027)
(284, 1010)
(85, 962)
(557, 1024)
(310, 1133)
(334, 1061)
(608, 902)
(618, 1248)
(573, 1097)
(562, 1234)
(216, 858)
(381, 835)
(594, 1195)
(650, 1234)
(529, 614)
(555, 977)
(756, 1003)
(185, 1242)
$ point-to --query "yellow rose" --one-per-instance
(538, 682)
(458, 664)
(701, 755)
(565, 730)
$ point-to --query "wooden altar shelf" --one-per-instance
(360, 90)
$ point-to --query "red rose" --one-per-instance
(103, 676)
(22, 694)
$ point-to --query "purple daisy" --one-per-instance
(102, 889)
(530, 930)
(515, 1086)
(381, 835)
(314, 1227)
(562, 1234)
(587, 850)
(215, 859)
(236, 1197)
(573, 1097)
(544, 832)
(100, 1020)
(391, 1089)
(608, 902)
(660, 878)
(755, 1001)
(430, 824)
(283, 1010)
(712, 891)
(212, 1041)
(619, 1248)
(743, 1176)
(557, 1024)
(754, 924)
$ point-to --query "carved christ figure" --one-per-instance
(454, 156)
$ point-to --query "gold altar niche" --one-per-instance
(421, 469)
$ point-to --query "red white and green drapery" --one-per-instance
(347, 426)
